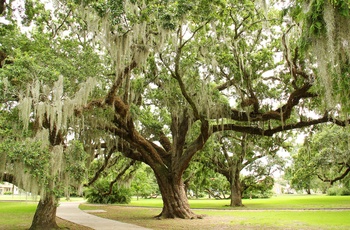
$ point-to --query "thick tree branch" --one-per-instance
(112, 92)
(179, 129)
(281, 114)
(195, 145)
(165, 142)
(270, 132)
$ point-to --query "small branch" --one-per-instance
(62, 23)
(118, 177)
(102, 168)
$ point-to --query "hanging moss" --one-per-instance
(326, 33)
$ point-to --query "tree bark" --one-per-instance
(45, 214)
(236, 190)
(175, 202)
(2, 6)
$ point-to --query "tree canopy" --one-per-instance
(155, 80)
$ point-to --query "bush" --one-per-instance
(7, 193)
(332, 191)
(344, 192)
(98, 194)
(336, 191)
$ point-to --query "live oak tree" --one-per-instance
(39, 103)
(186, 70)
(324, 156)
(177, 72)
(234, 153)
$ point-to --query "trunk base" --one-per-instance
(163, 215)
(45, 214)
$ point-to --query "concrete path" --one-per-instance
(70, 211)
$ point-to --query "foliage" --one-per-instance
(218, 187)
(155, 80)
(323, 156)
(260, 189)
(324, 28)
(338, 191)
(144, 183)
(99, 193)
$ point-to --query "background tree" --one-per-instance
(199, 179)
(301, 174)
(144, 183)
(234, 153)
(324, 156)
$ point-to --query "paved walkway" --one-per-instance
(70, 211)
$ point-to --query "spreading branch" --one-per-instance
(271, 131)
(332, 181)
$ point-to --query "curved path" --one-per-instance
(70, 211)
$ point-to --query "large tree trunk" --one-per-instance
(175, 202)
(45, 214)
(236, 191)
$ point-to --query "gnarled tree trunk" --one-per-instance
(45, 214)
(175, 202)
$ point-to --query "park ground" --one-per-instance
(280, 212)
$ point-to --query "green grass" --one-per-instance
(16, 215)
(278, 202)
(16, 212)
(281, 212)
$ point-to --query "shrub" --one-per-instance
(344, 192)
(98, 194)
(336, 191)
(7, 193)
(332, 191)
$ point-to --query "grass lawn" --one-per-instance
(18, 214)
(282, 212)
(276, 202)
